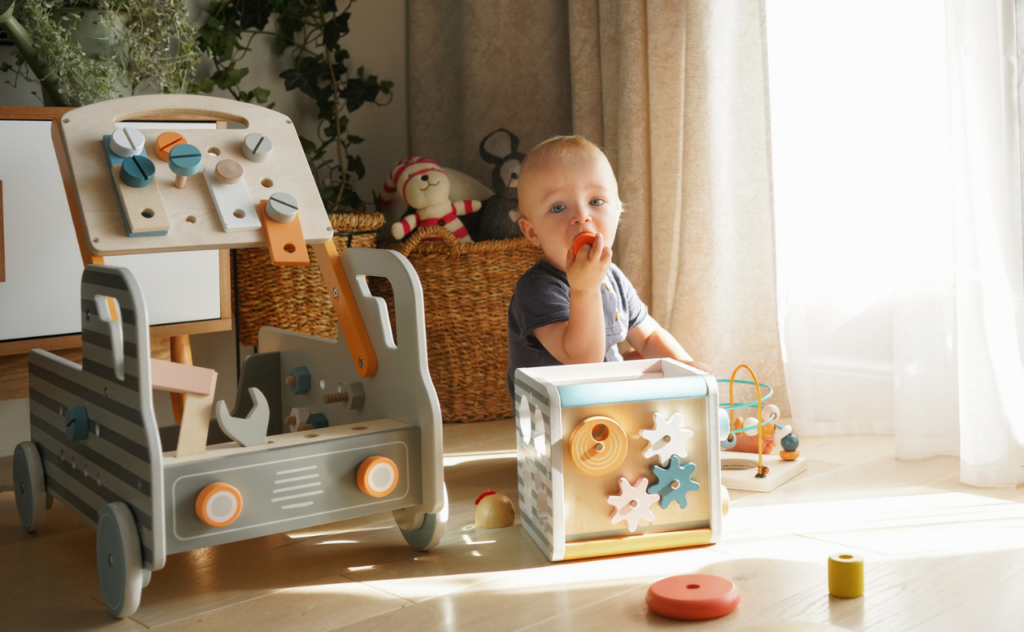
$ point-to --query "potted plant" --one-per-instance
(311, 32)
(83, 51)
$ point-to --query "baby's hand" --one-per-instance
(587, 269)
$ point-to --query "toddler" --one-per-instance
(575, 308)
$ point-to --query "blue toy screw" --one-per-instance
(185, 161)
(76, 421)
(137, 171)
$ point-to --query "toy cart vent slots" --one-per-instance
(361, 421)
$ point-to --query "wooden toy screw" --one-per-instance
(228, 171)
(335, 398)
(184, 161)
(290, 380)
(127, 142)
(290, 420)
(166, 142)
(282, 208)
(257, 147)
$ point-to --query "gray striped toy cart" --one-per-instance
(321, 430)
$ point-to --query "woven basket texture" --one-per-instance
(294, 298)
(466, 292)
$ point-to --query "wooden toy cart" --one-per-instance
(365, 420)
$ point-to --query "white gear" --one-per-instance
(666, 438)
(633, 504)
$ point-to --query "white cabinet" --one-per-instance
(42, 262)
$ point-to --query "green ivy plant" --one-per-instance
(148, 47)
(311, 31)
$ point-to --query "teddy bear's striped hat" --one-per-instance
(400, 175)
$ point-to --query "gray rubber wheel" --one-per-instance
(119, 560)
(29, 486)
(431, 531)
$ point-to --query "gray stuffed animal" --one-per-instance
(499, 215)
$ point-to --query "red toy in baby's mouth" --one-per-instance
(579, 240)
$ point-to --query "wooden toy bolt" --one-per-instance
(282, 208)
(127, 142)
(257, 147)
(137, 171)
(166, 142)
(184, 160)
(352, 395)
(228, 171)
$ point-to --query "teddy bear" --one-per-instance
(499, 215)
(425, 187)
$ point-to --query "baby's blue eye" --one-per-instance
(558, 208)
(596, 202)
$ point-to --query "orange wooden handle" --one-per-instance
(344, 303)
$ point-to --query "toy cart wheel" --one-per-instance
(429, 534)
(29, 486)
(119, 559)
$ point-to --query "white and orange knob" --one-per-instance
(219, 504)
(598, 445)
(377, 476)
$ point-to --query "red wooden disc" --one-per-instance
(579, 240)
(693, 597)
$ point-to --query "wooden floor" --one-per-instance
(938, 556)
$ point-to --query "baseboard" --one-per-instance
(855, 395)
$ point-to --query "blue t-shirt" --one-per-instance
(542, 298)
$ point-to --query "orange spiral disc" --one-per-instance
(598, 445)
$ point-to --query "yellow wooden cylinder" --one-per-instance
(846, 575)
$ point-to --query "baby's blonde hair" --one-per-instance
(558, 149)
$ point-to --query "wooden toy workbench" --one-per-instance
(321, 431)
(191, 213)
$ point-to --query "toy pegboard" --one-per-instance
(192, 219)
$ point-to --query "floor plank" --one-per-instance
(939, 555)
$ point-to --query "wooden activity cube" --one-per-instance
(582, 429)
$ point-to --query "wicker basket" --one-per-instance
(294, 298)
(466, 292)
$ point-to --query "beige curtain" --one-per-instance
(477, 66)
(676, 93)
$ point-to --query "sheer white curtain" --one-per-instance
(860, 144)
(959, 320)
(902, 295)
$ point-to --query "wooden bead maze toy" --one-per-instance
(151, 492)
(741, 470)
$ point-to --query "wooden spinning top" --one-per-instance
(494, 511)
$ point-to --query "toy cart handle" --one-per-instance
(343, 301)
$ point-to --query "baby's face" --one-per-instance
(562, 199)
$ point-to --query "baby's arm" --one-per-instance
(650, 340)
(581, 339)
